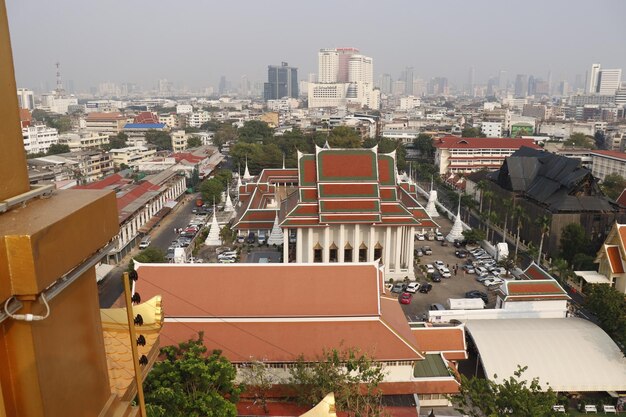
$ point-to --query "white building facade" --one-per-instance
(38, 138)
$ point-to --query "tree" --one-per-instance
(162, 140)
(492, 218)
(190, 382)
(609, 307)
(583, 262)
(574, 240)
(258, 380)
(228, 235)
(57, 148)
(211, 190)
(194, 142)
(148, 256)
(343, 137)
(544, 227)
(560, 267)
(481, 186)
(424, 144)
(479, 397)
(468, 202)
(353, 377)
(473, 235)
(116, 142)
(613, 185)
(225, 134)
(507, 204)
(255, 131)
(508, 263)
(520, 218)
(580, 140)
(472, 132)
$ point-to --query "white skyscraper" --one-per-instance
(328, 66)
(360, 69)
(593, 78)
(25, 98)
(609, 81)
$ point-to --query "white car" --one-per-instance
(481, 272)
(412, 287)
(445, 272)
(439, 264)
(430, 269)
(227, 261)
(438, 236)
(419, 236)
(493, 282)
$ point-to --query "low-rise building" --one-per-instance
(84, 140)
(131, 155)
(491, 129)
(604, 163)
(179, 140)
(38, 138)
(198, 118)
(82, 166)
(462, 155)
(141, 205)
(105, 123)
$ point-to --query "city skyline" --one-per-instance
(120, 42)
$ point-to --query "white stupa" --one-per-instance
(246, 172)
(213, 238)
(228, 205)
(456, 233)
(276, 236)
(431, 207)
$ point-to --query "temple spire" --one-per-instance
(456, 233)
(246, 173)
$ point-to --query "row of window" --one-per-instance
(347, 255)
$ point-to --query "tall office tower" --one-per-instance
(25, 98)
(361, 70)
(502, 80)
(221, 89)
(343, 70)
(328, 66)
(282, 81)
(609, 81)
(592, 81)
(408, 81)
(244, 86)
(521, 85)
(470, 81)
(579, 82)
(549, 82)
(385, 83)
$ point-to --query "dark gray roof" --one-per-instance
(558, 182)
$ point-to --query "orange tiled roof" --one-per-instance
(440, 339)
(615, 259)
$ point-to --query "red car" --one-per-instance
(406, 298)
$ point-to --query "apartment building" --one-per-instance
(131, 155)
(179, 140)
(38, 138)
(462, 155)
(105, 123)
(604, 163)
(83, 140)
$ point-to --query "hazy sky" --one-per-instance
(193, 43)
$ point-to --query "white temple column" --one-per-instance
(370, 247)
(387, 248)
(398, 248)
(357, 243)
(326, 250)
(299, 243)
(342, 243)
(286, 246)
(411, 250)
(309, 250)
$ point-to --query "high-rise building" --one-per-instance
(360, 69)
(343, 69)
(604, 81)
(470, 81)
(282, 81)
(385, 83)
(328, 66)
(521, 85)
(221, 89)
(408, 81)
(25, 98)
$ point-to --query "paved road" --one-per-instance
(110, 288)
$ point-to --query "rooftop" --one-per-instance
(455, 142)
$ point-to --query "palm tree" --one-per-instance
(508, 264)
(560, 266)
(544, 226)
(481, 186)
(468, 202)
(507, 203)
(520, 215)
(488, 195)
(492, 217)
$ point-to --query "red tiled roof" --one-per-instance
(612, 154)
(354, 206)
(534, 288)
(96, 116)
(146, 117)
(106, 182)
(455, 142)
(350, 218)
(330, 190)
(25, 115)
(337, 165)
(534, 271)
(135, 193)
(621, 200)
(189, 157)
(386, 170)
(615, 259)
(440, 339)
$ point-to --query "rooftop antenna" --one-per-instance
(59, 90)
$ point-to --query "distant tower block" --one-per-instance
(456, 233)
(213, 238)
(276, 236)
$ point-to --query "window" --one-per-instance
(347, 255)
(317, 255)
(332, 255)
(378, 253)
(363, 255)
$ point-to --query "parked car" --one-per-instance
(438, 236)
(419, 236)
(145, 242)
(262, 238)
(436, 307)
(427, 250)
(425, 287)
(445, 272)
(412, 287)
(251, 238)
(469, 269)
(227, 261)
(419, 252)
(461, 254)
(484, 278)
(444, 243)
(481, 271)
(405, 298)
(430, 269)
(493, 282)
(459, 243)
(477, 294)
(398, 287)
(241, 238)
(439, 264)
(436, 277)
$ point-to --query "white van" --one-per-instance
(261, 238)
(145, 242)
(466, 304)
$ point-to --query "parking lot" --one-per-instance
(454, 287)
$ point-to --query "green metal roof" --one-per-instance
(432, 366)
